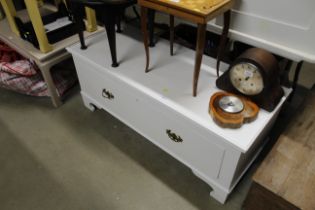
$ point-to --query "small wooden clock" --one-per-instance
(232, 111)
(255, 75)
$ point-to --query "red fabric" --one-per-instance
(21, 75)
(21, 67)
(33, 85)
(7, 54)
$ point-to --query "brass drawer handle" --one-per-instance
(107, 94)
(173, 136)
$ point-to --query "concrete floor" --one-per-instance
(73, 159)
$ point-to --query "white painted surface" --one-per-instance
(162, 99)
(170, 82)
(284, 27)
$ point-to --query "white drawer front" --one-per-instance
(180, 140)
(96, 86)
(153, 121)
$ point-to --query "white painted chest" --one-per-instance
(159, 105)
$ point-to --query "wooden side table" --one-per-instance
(199, 12)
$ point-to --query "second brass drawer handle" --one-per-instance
(107, 94)
(173, 136)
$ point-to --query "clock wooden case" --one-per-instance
(255, 75)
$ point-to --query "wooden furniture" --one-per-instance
(247, 113)
(286, 178)
(32, 7)
(160, 107)
(111, 12)
(43, 60)
(199, 12)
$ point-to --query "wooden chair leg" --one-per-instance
(80, 33)
(79, 24)
(201, 36)
(109, 22)
(145, 36)
(171, 35)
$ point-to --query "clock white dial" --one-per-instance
(246, 78)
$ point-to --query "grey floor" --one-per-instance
(70, 158)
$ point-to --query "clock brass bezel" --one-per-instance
(255, 67)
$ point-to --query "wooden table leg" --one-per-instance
(225, 31)
(79, 23)
(109, 20)
(151, 17)
(201, 36)
(52, 90)
(144, 12)
(171, 34)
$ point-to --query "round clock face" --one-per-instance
(246, 78)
